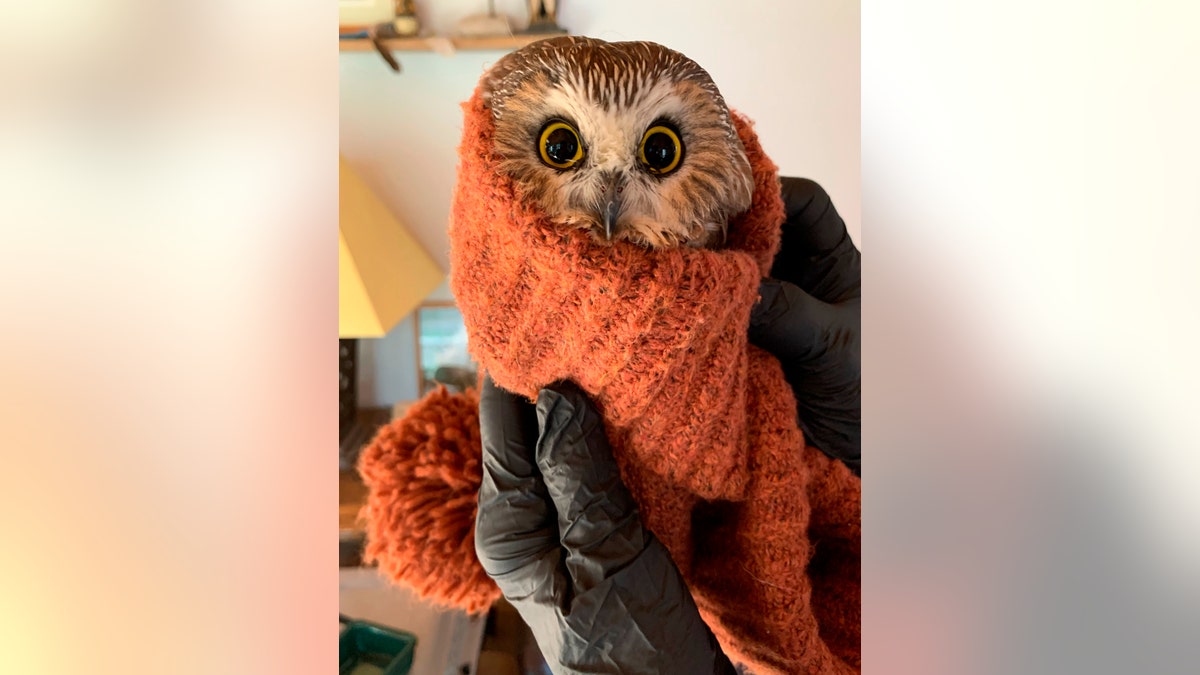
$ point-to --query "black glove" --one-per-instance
(808, 318)
(561, 535)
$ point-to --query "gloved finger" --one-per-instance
(646, 617)
(516, 534)
(816, 252)
(817, 344)
(790, 323)
(599, 525)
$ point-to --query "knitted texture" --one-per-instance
(422, 473)
(702, 424)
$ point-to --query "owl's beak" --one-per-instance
(612, 209)
(611, 206)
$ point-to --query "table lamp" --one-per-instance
(383, 275)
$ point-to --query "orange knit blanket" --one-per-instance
(703, 425)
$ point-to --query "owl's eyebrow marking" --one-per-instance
(560, 117)
(665, 121)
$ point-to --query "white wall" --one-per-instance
(793, 67)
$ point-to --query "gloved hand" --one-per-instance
(561, 535)
(808, 318)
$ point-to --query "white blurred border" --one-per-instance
(1031, 335)
(168, 218)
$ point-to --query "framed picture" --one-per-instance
(441, 346)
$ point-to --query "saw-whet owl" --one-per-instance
(628, 140)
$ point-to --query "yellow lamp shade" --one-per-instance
(383, 273)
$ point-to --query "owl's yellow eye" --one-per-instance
(560, 145)
(660, 150)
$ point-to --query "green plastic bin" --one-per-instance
(367, 648)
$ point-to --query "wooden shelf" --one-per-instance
(442, 45)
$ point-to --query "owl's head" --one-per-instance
(629, 140)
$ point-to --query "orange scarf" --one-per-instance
(702, 424)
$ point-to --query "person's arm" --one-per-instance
(809, 318)
(562, 537)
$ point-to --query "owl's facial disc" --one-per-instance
(659, 153)
(617, 190)
(625, 140)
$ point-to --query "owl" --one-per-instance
(627, 140)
